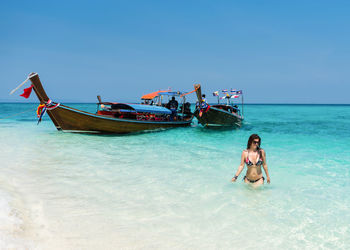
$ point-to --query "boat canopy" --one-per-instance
(172, 93)
(152, 95)
(141, 108)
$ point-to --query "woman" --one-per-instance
(254, 157)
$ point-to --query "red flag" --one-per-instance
(27, 92)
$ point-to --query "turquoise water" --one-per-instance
(172, 189)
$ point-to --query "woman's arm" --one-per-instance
(265, 166)
(240, 168)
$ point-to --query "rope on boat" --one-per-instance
(16, 114)
(49, 105)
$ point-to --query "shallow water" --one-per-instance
(172, 189)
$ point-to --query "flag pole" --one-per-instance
(14, 90)
(242, 107)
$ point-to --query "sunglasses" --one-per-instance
(256, 142)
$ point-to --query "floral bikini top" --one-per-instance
(259, 161)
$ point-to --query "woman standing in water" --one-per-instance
(254, 157)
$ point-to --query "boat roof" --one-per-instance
(150, 109)
(143, 108)
(152, 95)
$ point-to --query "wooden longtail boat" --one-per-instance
(219, 115)
(117, 118)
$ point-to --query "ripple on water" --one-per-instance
(172, 189)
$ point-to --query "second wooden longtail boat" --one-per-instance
(218, 115)
(111, 117)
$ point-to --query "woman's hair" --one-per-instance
(252, 138)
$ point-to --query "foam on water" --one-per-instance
(9, 222)
(172, 189)
(13, 220)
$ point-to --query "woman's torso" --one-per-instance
(254, 162)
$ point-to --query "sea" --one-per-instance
(172, 189)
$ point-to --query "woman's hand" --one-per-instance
(234, 179)
(268, 179)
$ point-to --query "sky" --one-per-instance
(275, 51)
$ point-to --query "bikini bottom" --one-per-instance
(253, 181)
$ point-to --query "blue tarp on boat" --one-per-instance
(140, 108)
(150, 109)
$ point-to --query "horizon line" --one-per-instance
(345, 104)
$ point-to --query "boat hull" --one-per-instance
(73, 120)
(214, 117)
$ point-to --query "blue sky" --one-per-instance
(275, 51)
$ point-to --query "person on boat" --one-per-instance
(173, 104)
(254, 157)
(204, 103)
(234, 109)
(203, 98)
(186, 107)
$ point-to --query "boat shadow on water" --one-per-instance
(213, 129)
(218, 129)
(138, 133)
